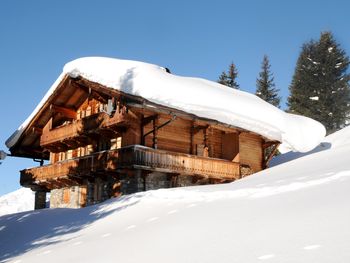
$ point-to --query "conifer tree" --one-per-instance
(320, 86)
(265, 86)
(229, 78)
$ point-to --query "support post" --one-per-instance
(191, 137)
(90, 192)
(142, 131)
(155, 132)
(40, 199)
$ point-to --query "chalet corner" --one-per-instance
(102, 142)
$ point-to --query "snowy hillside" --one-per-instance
(294, 212)
(335, 140)
(17, 201)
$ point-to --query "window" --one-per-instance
(116, 143)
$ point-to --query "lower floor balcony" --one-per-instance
(124, 161)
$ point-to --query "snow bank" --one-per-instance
(197, 96)
(294, 212)
(17, 201)
(335, 140)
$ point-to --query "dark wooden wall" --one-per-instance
(184, 136)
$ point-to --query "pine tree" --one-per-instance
(265, 86)
(229, 78)
(320, 86)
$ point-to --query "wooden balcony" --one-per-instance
(78, 130)
(131, 157)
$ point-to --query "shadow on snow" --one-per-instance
(22, 232)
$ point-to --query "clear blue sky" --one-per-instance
(192, 38)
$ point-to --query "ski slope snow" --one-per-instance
(17, 201)
(294, 212)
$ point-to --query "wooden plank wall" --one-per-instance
(230, 146)
(173, 137)
(215, 143)
(198, 140)
(176, 136)
(251, 153)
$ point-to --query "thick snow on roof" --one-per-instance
(294, 212)
(200, 97)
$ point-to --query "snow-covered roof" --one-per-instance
(200, 97)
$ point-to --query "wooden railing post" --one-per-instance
(155, 132)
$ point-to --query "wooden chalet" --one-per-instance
(101, 142)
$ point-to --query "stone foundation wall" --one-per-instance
(66, 197)
(100, 189)
(158, 180)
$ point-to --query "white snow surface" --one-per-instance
(18, 201)
(314, 98)
(294, 212)
(200, 97)
(340, 138)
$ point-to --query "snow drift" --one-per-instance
(200, 97)
(18, 201)
(294, 212)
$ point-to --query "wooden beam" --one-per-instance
(269, 143)
(147, 120)
(37, 130)
(70, 143)
(206, 137)
(64, 182)
(69, 113)
(198, 128)
(142, 131)
(52, 183)
(56, 147)
(272, 153)
(155, 132)
(191, 137)
(90, 93)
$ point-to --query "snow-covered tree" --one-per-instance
(265, 86)
(320, 86)
(229, 78)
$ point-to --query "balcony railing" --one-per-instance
(83, 127)
(132, 157)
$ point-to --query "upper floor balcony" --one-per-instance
(78, 130)
(133, 157)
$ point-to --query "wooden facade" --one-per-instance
(101, 143)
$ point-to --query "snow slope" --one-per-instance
(335, 140)
(197, 96)
(294, 212)
(17, 201)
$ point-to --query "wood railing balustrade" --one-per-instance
(84, 126)
(133, 157)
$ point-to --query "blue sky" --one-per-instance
(192, 38)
